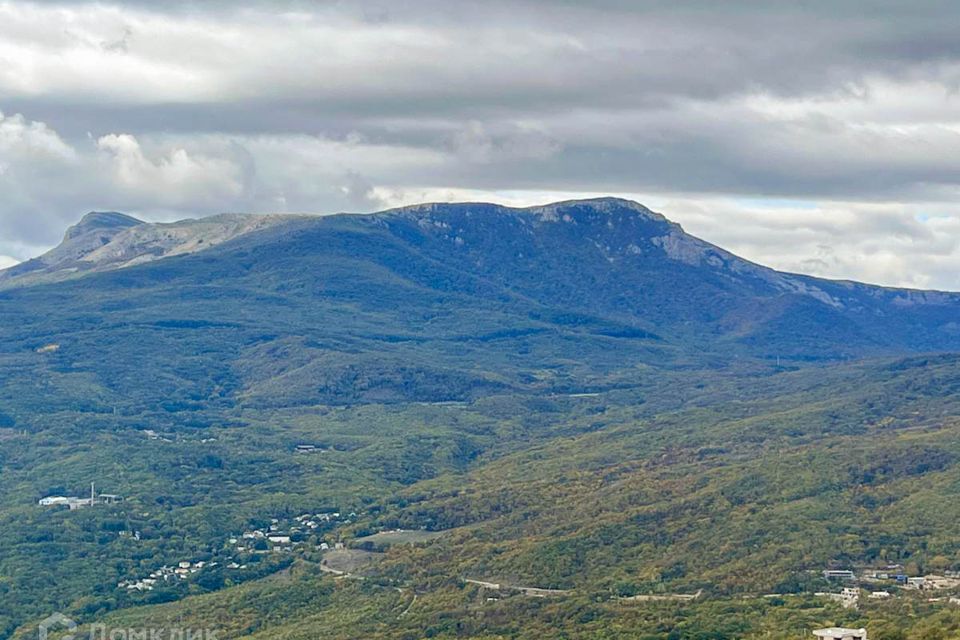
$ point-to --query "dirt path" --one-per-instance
(534, 592)
(409, 606)
(665, 596)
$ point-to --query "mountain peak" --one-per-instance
(101, 220)
(602, 203)
(605, 206)
(105, 240)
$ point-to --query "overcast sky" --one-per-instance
(819, 137)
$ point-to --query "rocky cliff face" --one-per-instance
(95, 230)
(104, 241)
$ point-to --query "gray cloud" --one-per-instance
(172, 109)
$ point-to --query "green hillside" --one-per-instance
(577, 398)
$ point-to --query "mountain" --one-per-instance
(608, 264)
(439, 302)
(578, 397)
(109, 240)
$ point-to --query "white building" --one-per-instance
(935, 582)
(840, 633)
(66, 501)
(848, 598)
(74, 502)
(53, 501)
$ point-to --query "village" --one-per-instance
(279, 537)
(165, 574)
(310, 533)
(888, 582)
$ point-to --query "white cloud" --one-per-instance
(174, 177)
(79, 56)
(48, 183)
(20, 138)
(475, 143)
(34, 161)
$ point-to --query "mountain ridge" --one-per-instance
(609, 259)
(677, 243)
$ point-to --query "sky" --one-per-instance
(815, 137)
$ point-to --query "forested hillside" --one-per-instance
(578, 398)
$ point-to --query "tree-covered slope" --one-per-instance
(753, 486)
(580, 395)
(441, 302)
